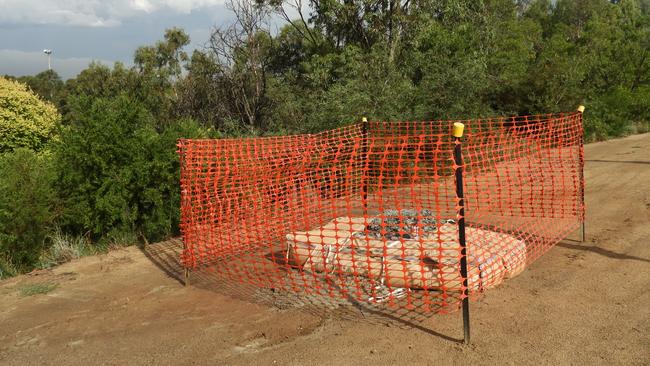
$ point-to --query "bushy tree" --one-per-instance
(25, 119)
(27, 206)
(116, 174)
(417, 59)
(46, 84)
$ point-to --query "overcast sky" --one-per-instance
(79, 31)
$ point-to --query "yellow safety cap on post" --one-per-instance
(581, 109)
(458, 129)
(364, 119)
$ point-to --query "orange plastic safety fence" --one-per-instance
(369, 212)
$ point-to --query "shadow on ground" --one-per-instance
(165, 255)
(595, 249)
(617, 161)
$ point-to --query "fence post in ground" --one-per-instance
(458, 161)
(186, 277)
(583, 233)
(364, 171)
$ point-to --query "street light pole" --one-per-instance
(49, 56)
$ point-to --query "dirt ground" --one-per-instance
(581, 303)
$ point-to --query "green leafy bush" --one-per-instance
(27, 203)
(618, 113)
(117, 174)
(25, 119)
(7, 269)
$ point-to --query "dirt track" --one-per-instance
(581, 303)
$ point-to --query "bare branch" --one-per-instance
(242, 53)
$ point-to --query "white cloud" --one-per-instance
(144, 5)
(90, 13)
(19, 63)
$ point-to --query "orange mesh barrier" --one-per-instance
(369, 212)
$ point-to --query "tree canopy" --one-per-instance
(421, 59)
(336, 60)
(25, 119)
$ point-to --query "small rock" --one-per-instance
(75, 343)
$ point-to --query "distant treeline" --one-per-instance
(109, 170)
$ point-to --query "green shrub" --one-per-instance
(37, 288)
(7, 269)
(618, 113)
(161, 197)
(25, 119)
(27, 203)
(118, 176)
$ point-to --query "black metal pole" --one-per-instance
(583, 233)
(458, 160)
(185, 202)
(364, 171)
